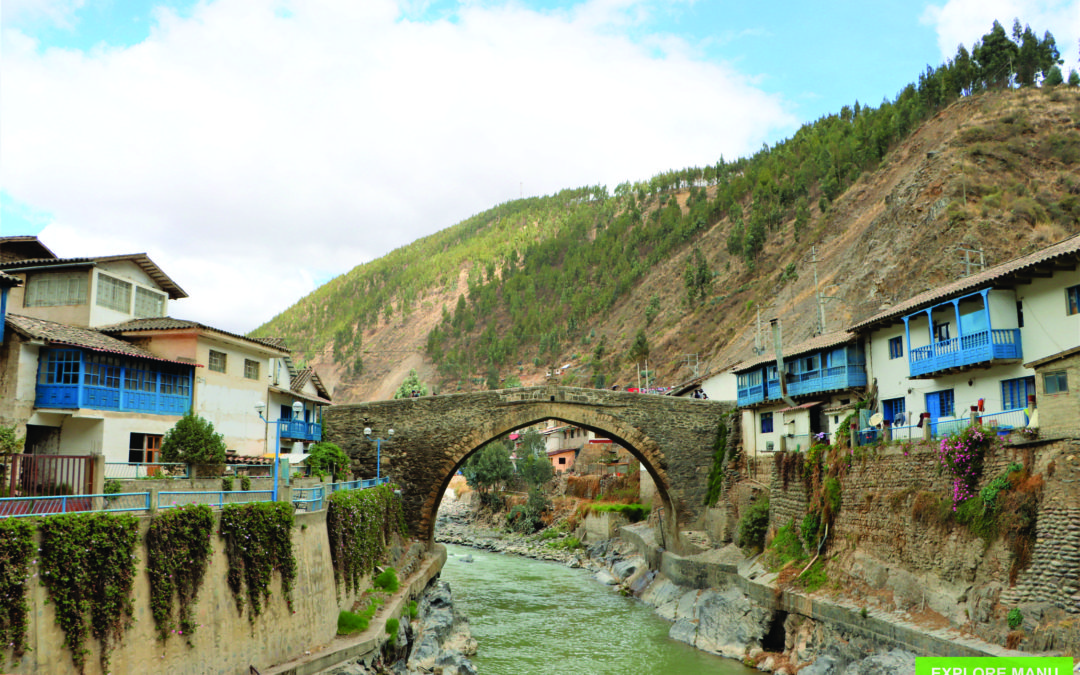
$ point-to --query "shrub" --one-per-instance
(112, 487)
(387, 580)
(413, 610)
(328, 459)
(962, 455)
(226, 483)
(753, 525)
(392, 625)
(245, 483)
(192, 440)
(1015, 618)
(786, 544)
(349, 623)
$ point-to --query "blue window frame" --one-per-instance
(766, 423)
(891, 408)
(941, 332)
(1015, 392)
(1056, 382)
(940, 404)
(896, 347)
(1072, 298)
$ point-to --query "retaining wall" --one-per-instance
(226, 641)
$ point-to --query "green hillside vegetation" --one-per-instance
(541, 270)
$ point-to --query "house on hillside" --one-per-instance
(715, 385)
(823, 373)
(977, 343)
(92, 364)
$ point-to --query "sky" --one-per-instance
(255, 149)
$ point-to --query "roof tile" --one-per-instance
(76, 336)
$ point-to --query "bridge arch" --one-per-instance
(434, 435)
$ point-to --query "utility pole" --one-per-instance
(817, 291)
(969, 262)
(696, 365)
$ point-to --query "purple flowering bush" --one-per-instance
(962, 454)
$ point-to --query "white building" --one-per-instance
(964, 344)
(90, 364)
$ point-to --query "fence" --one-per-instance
(999, 422)
(47, 475)
(22, 507)
(215, 498)
(133, 470)
(307, 499)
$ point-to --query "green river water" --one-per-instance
(542, 618)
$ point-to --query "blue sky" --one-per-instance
(302, 138)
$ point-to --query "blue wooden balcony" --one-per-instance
(827, 379)
(978, 348)
(299, 430)
(73, 379)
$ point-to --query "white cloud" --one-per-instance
(251, 151)
(965, 21)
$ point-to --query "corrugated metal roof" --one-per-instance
(169, 323)
(75, 336)
(1067, 248)
(141, 259)
(824, 341)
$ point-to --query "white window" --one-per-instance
(113, 293)
(55, 289)
(251, 369)
(148, 304)
(217, 361)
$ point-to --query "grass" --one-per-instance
(566, 544)
(814, 578)
(413, 611)
(634, 512)
(392, 625)
(387, 580)
(350, 623)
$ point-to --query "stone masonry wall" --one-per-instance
(671, 436)
(882, 544)
(1059, 414)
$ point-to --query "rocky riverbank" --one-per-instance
(438, 640)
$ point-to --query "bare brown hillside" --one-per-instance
(998, 172)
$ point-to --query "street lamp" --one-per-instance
(378, 450)
(259, 408)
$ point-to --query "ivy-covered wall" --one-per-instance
(225, 640)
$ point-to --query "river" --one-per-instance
(542, 618)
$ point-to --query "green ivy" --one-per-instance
(178, 553)
(88, 566)
(716, 473)
(258, 542)
(16, 546)
(359, 524)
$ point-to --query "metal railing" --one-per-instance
(22, 507)
(213, 499)
(250, 470)
(999, 422)
(135, 470)
(47, 475)
(308, 499)
(359, 484)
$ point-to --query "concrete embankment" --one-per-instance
(365, 646)
(730, 606)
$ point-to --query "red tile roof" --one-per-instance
(141, 259)
(832, 339)
(169, 323)
(75, 336)
(1067, 249)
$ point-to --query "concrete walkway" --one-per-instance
(348, 648)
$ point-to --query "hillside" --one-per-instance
(688, 258)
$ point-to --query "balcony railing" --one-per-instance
(299, 430)
(967, 350)
(801, 384)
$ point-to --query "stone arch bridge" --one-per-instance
(433, 436)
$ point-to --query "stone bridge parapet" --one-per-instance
(433, 435)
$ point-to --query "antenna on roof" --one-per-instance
(817, 291)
